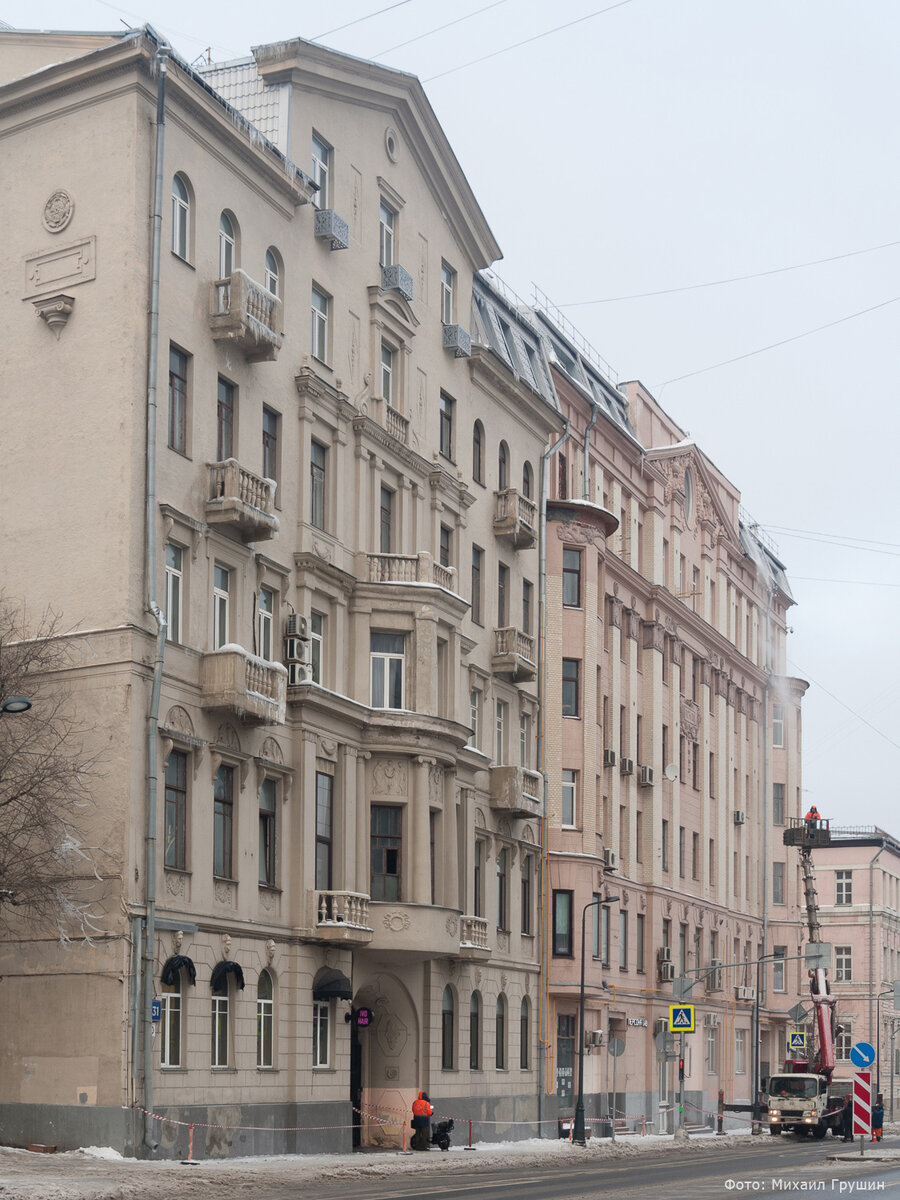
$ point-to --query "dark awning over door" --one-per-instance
(331, 984)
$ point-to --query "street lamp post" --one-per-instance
(888, 992)
(578, 1132)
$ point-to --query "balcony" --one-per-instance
(516, 791)
(331, 228)
(242, 500)
(235, 681)
(409, 568)
(340, 918)
(516, 519)
(457, 339)
(473, 943)
(396, 424)
(247, 315)
(514, 654)
(403, 932)
(397, 279)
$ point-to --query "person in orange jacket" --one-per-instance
(421, 1121)
(812, 819)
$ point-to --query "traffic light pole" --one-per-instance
(681, 1130)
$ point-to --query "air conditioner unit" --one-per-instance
(593, 1037)
(296, 626)
(397, 279)
(609, 758)
(661, 1025)
(745, 993)
(610, 860)
(296, 650)
(666, 972)
(458, 340)
(647, 778)
(739, 816)
(711, 1021)
(664, 954)
(626, 766)
(715, 977)
(299, 673)
(330, 227)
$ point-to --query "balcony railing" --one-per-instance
(409, 568)
(516, 791)
(396, 424)
(342, 917)
(473, 942)
(233, 680)
(514, 654)
(241, 499)
(242, 311)
(516, 518)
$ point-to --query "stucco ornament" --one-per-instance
(396, 922)
(58, 211)
(226, 945)
(270, 951)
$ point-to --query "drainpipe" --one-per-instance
(586, 488)
(542, 687)
(150, 555)
(872, 942)
(767, 771)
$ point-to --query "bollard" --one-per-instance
(719, 1130)
(470, 1146)
(190, 1161)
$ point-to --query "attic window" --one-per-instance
(688, 496)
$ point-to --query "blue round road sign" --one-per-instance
(862, 1055)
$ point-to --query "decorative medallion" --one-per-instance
(451, 926)
(396, 922)
(224, 892)
(389, 777)
(174, 884)
(58, 211)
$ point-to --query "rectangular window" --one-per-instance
(316, 644)
(570, 686)
(448, 289)
(324, 829)
(321, 1033)
(595, 925)
(176, 810)
(317, 462)
(478, 878)
(502, 595)
(224, 420)
(387, 654)
(385, 850)
(501, 712)
(711, 1050)
(219, 1032)
(562, 924)
(569, 781)
(682, 834)
(527, 601)
(221, 606)
(623, 939)
(477, 565)
(445, 552)
(605, 917)
(386, 520)
(712, 861)
(777, 803)
(527, 892)
(571, 578)
(321, 171)
(223, 822)
(387, 220)
(843, 887)
(178, 403)
(170, 1023)
(503, 889)
(740, 1051)
(265, 1022)
(779, 974)
(446, 426)
(639, 942)
(267, 811)
(695, 856)
(638, 836)
(270, 427)
(265, 617)
(174, 591)
(474, 710)
(777, 725)
(665, 845)
(319, 325)
(387, 373)
(843, 964)
(778, 883)
(525, 741)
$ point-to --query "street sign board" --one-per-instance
(862, 1102)
(155, 1009)
(862, 1054)
(796, 1040)
(817, 954)
(681, 1018)
(798, 1014)
(682, 986)
(616, 1047)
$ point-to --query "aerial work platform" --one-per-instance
(807, 835)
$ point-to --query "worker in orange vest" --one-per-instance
(421, 1121)
(812, 819)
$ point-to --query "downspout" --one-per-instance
(586, 487)
(150, 555)
(767, 786)
(872, 862)
(542, 687)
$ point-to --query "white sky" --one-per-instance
(666, 143)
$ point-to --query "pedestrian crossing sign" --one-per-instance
(796, 1041)
(681, 1018)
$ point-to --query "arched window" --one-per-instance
(171, 1022)
(503, 467)
(265, 1014)
(475, 1032)
(181, 217)
(524, 1035)
(448, 1022)
(500, 1033)
(272, 276)
(527, 481)
(478, 452)
(227, 246)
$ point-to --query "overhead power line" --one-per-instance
(439, 28)
(859, 582)
(695, 287)
(359, 20)
(527, 41)
(824, 541)
(784, 342)
(782, 530)
(837, 700)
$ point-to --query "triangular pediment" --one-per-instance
(708, 508)
(394, 311)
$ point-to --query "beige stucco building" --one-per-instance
(292, 427)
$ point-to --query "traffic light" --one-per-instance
(681, 1070)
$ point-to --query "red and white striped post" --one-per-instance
(862, 1106)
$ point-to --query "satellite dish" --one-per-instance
(671, 772)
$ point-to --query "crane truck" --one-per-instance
(802, 1097)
